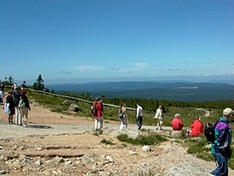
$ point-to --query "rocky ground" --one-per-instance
(59, 145)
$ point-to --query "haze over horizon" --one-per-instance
(88, 41)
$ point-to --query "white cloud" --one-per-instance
(115, 68)
(65, 72)
(90, 68)
(140, 65)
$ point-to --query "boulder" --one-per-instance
(176, 134)
(74, 107)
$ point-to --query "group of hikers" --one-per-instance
(220, 147)
(17, 103)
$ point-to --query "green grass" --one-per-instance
(55, 103)
(148, 139)
(199, 149)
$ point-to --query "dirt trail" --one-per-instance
(51, 135)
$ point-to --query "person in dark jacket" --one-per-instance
(221, 147)
(24, 109)
(16, 98)
(9, 99)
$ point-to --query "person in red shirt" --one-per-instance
(196, 127)
(177, 123)
(98, 114)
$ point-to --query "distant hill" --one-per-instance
(181, 91)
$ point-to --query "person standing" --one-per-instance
(16, 98)
(10, 101)
(221, 147)
(159, 117)
(177, 123)
(102, 113)
(98, 120)
(1, 97)
(2, 87)
(139, 116)
(123, 117)
(24, 109)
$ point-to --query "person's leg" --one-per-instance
(9, 119)
(125, 123)
(99, 119)
(95, 124)
(160, 123)
(121, 123)
(140, 123)
(101, 123)
(17, 115)
(20, 117)
(222, 168)
(24, 116)
(157, 125)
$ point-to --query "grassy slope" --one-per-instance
(199, 149)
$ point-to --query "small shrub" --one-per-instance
(107, 142)
(150, 139)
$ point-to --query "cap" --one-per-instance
(177, 115)
(227, 111)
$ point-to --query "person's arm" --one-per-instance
(137, 112)
(172, 123)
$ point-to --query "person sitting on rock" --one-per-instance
(177, 123)
(196, 127)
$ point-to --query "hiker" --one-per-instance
(221, 147)
(16, 98)
(177, 123)
(97, 114)
(196, 128)
(24, 109)
(123, 117)
(159, 117)
(139, 116)
(1, 96)
(10, 101)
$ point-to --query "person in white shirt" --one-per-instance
(159, 117)
(139, 116)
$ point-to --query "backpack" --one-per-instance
(120, 115)
(21, 103)
(209, 132)
(93, 109)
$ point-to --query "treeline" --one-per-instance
(148, 104)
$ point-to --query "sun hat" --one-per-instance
(227, 111)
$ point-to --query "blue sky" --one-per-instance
(68, 40)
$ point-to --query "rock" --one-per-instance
(74, 107)
(146, 148)
(2, 172)
(176, 134)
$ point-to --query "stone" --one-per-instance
(176, 134)
(74, 107)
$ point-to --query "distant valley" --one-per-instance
(180, 91)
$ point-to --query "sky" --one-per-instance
(71, 40)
